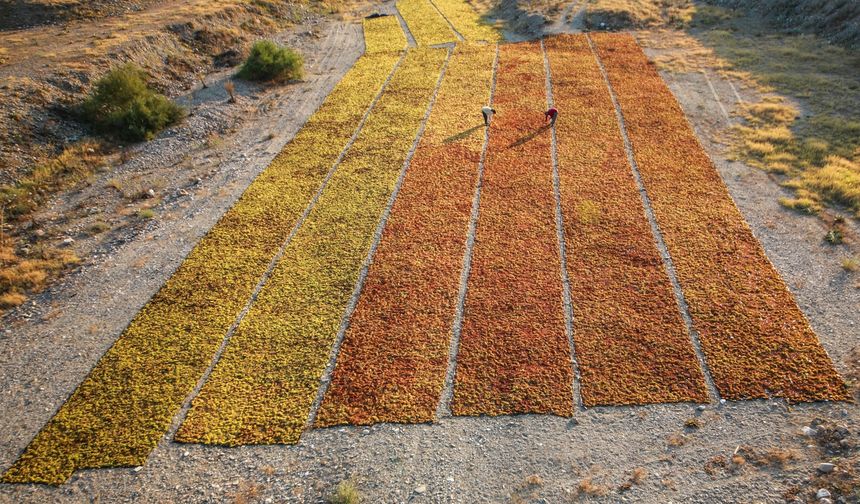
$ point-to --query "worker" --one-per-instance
(487, 111)
(551, 115)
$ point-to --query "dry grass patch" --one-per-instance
(676, 440)
(627, 14)
(693, 423)
(637, 476)
(345, 493)
(773, 457)
(74, 164)
(248, 491)
(818, 149)
(767, 141)
(589, 487)
(26, 271)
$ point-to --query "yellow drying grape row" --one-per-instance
(125, 405)
(383, 34)
(263, 387)
(426, 24)
(466, 20)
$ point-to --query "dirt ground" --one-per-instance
(735, 452)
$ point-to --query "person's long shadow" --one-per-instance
(463, 134)
(530, 136)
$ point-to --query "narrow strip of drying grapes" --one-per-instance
(631, 344)
(466, 20)
(757, 341)
(514, 354)
(425, 23)
(383, 34)
(262, 389)
(392, 364)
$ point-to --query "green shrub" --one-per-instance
(269, 61)
(123, 104)
(834, 236)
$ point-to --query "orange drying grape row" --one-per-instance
(392, 364)
(514, 354)
(263, 387)
(756, 340)
(631, 344)
(125, 405)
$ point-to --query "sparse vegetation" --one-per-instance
(122, 104)
(248, 491)
(834, 235)
(764, 457)
(767, 142)
(345, 493)
(589, 487)
(98, 227)
(25, 270)
(534, 480)
(269, 61)
(715, 464)
(637, 476)
(676, 440)
(850, 264)
(23, 274)
(819, 150)
(230, 87)
(146, 213)
(75, 164)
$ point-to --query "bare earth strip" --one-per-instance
(262, 389)
(757, 341)
(391, 367)
(117, 415)
(631, 343)
(514, 354)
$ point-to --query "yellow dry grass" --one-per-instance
(814, 152)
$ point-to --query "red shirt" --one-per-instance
(551, 112)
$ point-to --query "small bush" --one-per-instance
(346, 493)
(268, 61)
(123, 104)
(834, 236)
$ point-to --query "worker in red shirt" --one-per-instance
(551, 115)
